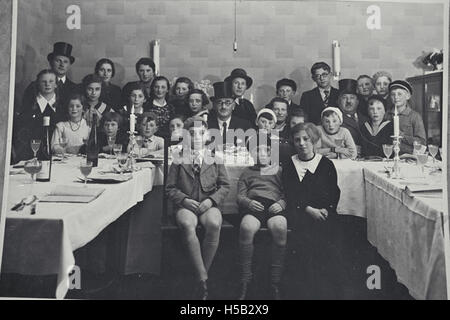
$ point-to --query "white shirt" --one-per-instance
(322, 93)
(42, 102)
(156, 103)
(63, 79)
(221, 124)
(303, 166)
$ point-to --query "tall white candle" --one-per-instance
(336, 58)
(396, 123)
(132, 120)
(156, 58)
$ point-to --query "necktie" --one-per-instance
(224, 133)
(196, 163)
(326, 99)
(60, 83)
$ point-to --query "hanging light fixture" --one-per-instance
(235, 44)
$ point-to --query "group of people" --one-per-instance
(350, 121)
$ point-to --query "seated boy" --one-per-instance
(146, 126)
(197, 184)
(336, 141)
(261, 202)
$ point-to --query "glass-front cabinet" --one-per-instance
(427, 100)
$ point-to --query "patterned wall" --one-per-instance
(276, 38)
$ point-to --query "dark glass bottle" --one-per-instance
(92, 147)
(45, 154)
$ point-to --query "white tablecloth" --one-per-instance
(407, 231)
(81, 222)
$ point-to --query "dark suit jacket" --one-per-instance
(28, 126)
(312, 103)
(245, 110)
(355, 127)
(235, 123)
(31, 92)
(213, 181)
(112, 96)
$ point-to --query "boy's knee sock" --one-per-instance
(209, 249)
(277, 265)
(245, 261)
(193, 246)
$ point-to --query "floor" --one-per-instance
(176, 281)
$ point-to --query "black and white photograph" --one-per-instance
(224, 150)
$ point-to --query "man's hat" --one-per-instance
(61, 49)
(240, 73)
(400, 84)
(222, 89)
(348, 86)
(286, 82)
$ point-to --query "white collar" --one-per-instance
(155, 103)
(380, 127)
(63, 79)
(303, 166)
(42, 102)
(221, 123)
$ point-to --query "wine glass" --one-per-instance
(35, 145)
(63, 143)
(387, 150)
(122, 159)
(86, 169)
(417, 147)
(339, 143)
(422, 159)
(32, 167)
(117, 148)
(433, 151)
(111, 141)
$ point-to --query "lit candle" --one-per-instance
(132, 120)
(336, 59)
(252, 99)
(156, 59)
(396, 123)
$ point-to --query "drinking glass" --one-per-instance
(387, 150)
(417, 147)
(86, 169)
(422, 159)
(32, 167)
(63, 143)
(111, 141)
(122, 159)
(339, 143)
(117, 149)
(35, 145)
(433, 151)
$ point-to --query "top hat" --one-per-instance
(286, 82)
(222, 90)
(400, 84)
(61, 49)
(348, 86)
(240, 73)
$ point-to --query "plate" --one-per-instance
(107, 178)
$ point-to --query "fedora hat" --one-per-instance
(222, 89)
(61, 49)
(348, 86)
(240, 73)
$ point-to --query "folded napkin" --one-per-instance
(72, 194)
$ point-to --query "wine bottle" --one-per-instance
(92, 147)
(45, 156)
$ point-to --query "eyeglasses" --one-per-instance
(323, 75)
(224, 102)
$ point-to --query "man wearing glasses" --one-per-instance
(321, 97)
(223, 119)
